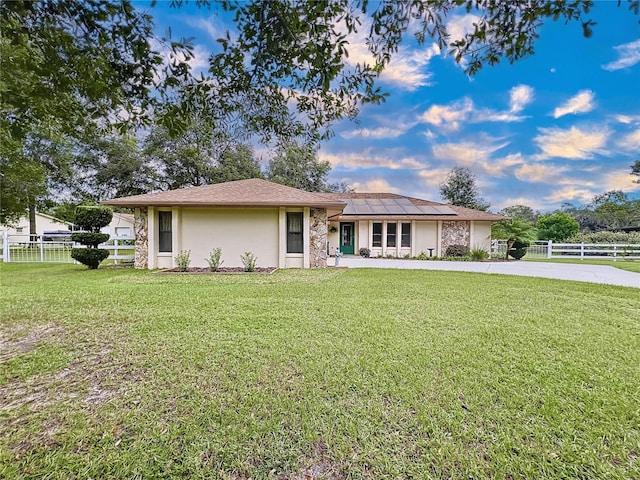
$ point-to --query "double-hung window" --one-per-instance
(406, 235)
(294, 232)
(391, 234)
(376, 240)
(164, 232)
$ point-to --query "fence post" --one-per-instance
(115, 252)
(582, 251)
(5, 247)
(614, 253)
(550, 249)
(42, 248)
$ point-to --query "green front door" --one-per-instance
(347, 238)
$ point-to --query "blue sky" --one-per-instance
(560, 126)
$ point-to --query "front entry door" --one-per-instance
(347, 239)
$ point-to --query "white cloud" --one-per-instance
(450, 116)
(628, 56)
(209, 25)
(467, 153)
(568, 194)
(630, 142)
(627, 119)
(537, 173)
(620, 181)
(510, 201)
(460, 25)
(433, 177)
(367, 159)
(498, 167)
(582, 102)
(376, 185)
(407, 69)
(573, 143)
(519, 97)
(399, 128)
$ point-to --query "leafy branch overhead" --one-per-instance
(285, 53)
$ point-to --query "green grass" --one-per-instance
(372, 374)
(629, 265)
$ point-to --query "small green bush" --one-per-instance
(91, 257)
(249, 261)
(93, 218)
(90, 239)
(183, 260)
(365, 252)
(479, 254)
(422, 256)
(215, 259)
(457, 251)
(407, 256)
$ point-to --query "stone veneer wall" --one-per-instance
(455, 233)
(141, 228)
(317, 237)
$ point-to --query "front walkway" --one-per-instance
(559, 271)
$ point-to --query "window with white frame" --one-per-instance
(405, 240)
(376, 240)
(294, 232)
(391, 234)
(164, 232)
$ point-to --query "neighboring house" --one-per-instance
(286, 227)
(121, 225)
(44, 223)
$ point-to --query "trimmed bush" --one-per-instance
(457, 251)
(365, 252)
(90, 239)
(93, 218)
(91, 257)
(605, 237)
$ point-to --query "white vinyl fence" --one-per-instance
(550, 249)
(21, 248)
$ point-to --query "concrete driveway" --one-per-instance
(560, 271)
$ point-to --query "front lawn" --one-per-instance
(331, 374)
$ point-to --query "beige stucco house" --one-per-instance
(290, 228)
(44, 223)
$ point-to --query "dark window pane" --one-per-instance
(294, 232)
(391, 234)
(377, 235)
(164, 229)
(406, 235)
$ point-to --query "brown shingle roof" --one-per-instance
(462, 212)
(254, 192)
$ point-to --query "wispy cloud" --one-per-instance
(467, 153)
(582, 102)
(627, 119)
(570, 194)
(451, 116)
(212, 26)
(499, 167)
(537, 173)
(630, 142)
(573, 143)
(433, 177)
(376, 185)
(628, 56)
(520, 97)
(621, 181)
(368, 159)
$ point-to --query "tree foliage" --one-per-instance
(283, 52)
(521, 212)
(558, 226)
(460, 189)
(513, 231)
(298, 166)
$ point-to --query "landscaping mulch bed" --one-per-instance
(221, 270)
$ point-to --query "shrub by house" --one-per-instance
(91, 220)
